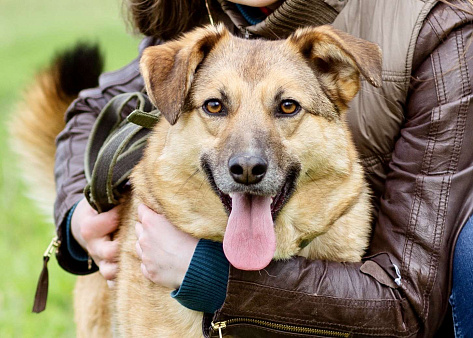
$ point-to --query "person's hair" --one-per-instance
(165, 19)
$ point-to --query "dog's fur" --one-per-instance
(39, 117)
(185, 165)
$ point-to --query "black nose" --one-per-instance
(247, 169)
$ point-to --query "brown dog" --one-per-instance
(255, 153)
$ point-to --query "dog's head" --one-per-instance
(269, 115)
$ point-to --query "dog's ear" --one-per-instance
(338, 59)
(168, 70)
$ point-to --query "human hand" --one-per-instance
(93, 232)
(164, 250)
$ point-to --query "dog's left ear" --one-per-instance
(338, 58)
(168, 70)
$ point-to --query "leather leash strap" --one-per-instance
(115, 146)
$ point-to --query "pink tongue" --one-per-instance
(249, 242)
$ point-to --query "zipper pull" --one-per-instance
(41, 295)
(244, 32)
(219, 326)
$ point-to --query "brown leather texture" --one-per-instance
(425, 200)
(423, 193)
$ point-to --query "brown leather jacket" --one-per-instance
(423, 195)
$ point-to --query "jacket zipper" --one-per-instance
(282, 327)
(247, 35)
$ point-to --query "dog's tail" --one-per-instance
(39, 116)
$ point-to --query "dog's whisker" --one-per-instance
(185, 182)
(202, 183)
(308, 175)
(313, 180)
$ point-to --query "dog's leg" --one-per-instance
(92, 307)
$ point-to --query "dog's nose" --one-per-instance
(247, 169)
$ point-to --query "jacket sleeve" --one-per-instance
(403, 285)
(71, 144)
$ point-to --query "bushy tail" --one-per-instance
(39, 116)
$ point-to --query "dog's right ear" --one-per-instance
(168, 70)
(338, 59)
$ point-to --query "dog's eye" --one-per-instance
(288, 107)
(213, 106)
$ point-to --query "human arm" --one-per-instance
(71, 144)
(426, 200)
(172, 258)
(93, 233)
(150, 229)
(402, 287)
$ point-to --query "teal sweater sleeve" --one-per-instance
(205, 284)
(73, 247)
(75, 250)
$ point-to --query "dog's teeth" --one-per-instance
(231, 194)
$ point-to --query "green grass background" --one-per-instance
(31, 31)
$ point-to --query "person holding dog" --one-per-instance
(413, 141)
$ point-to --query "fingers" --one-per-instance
(142, 209)
(153, 223)
(158, 277)
(138, 233)
(139, 252)
(108, 250)
(108, 270)
(93, 226)
(103, 248)
(104, 252)
(145, 272)
(107, 222)
(138, 229)
(93, 232)
(149, 218)
(164, 250)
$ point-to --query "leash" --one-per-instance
(115, 146)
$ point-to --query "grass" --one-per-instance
(32, 31)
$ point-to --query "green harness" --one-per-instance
(115, 146)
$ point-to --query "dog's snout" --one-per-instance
(247, 169)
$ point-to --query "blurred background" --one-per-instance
(31, 32)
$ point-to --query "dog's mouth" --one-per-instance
(277, 201)
(249, 242)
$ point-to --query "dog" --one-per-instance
(254, 152)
